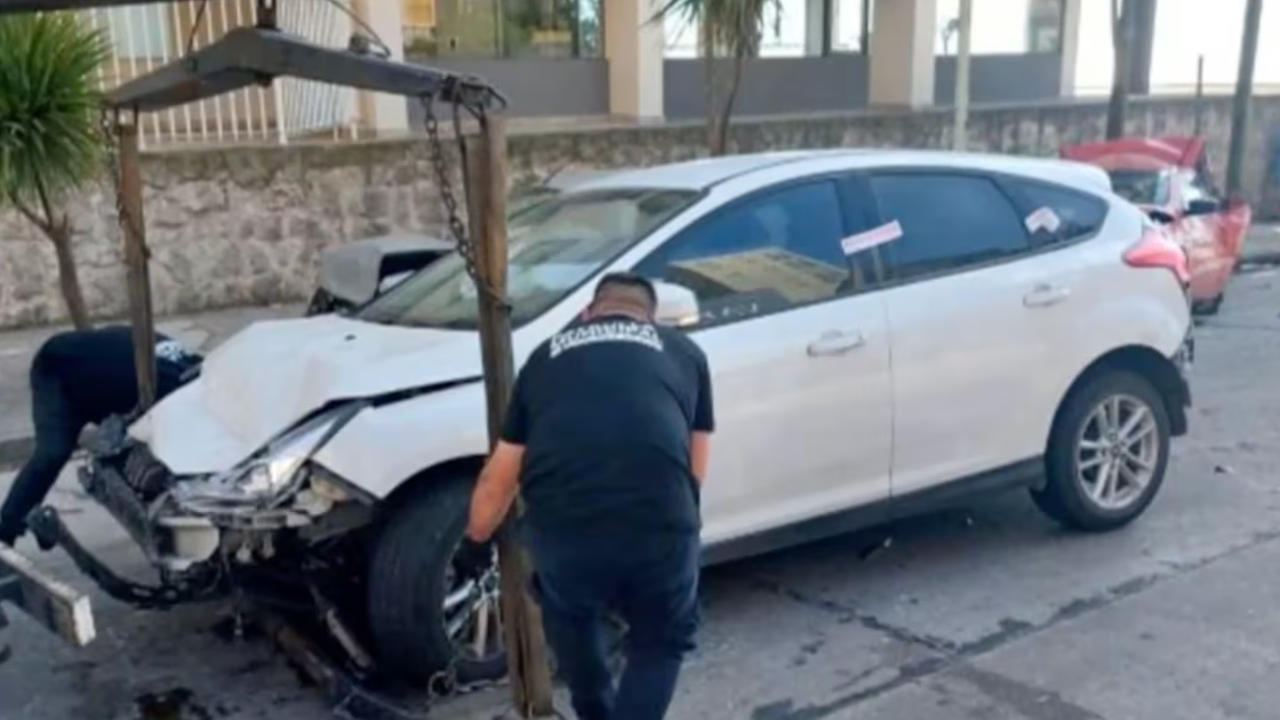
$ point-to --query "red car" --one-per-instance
(1168, 177)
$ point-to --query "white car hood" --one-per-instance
(272, 374)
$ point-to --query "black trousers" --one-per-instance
(57, 427)
(652, 582)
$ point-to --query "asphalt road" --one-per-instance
(989, 612)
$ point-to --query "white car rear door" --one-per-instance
(980, 317)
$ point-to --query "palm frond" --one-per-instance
(737, 25)
(50, 141)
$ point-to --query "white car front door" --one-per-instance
(981, 317)
(799, 354)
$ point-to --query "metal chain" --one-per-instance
(445, 684)
(445, 184)
(462, 238)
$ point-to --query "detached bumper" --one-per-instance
(159, 534)
(55, 605)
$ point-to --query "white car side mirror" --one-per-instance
(677, 305)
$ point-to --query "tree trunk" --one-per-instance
(709, 55)
(68, 276)
(1120, 77)
(726, 110)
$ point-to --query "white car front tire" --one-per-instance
(428, 628)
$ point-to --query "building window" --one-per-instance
(1004, 28)
(504, 28)
(681, 33)
(850, 25)
(1044, 26)
(784, 31)
(789, 28)
(419, 20)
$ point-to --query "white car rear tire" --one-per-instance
(1108, 453)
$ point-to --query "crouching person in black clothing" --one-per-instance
(77, 378)
(607, 437)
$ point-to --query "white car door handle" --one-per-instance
(836, 343)
(1046, 295)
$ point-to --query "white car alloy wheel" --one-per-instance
(1117, 452)
(473, 616)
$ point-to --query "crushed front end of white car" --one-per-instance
(202, 531)
(323, 466)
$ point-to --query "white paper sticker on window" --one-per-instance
(871, 238)
(1044, 219)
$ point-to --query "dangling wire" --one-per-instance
(195, 25)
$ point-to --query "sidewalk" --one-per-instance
(200, 332)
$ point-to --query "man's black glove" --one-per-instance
(473, 559)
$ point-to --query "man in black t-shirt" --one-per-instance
(607, 437)
(77, 378)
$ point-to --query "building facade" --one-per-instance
(619, 60)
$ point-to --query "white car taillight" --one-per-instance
(1157, 250)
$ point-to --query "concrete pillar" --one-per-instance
(902, 59)
(381, 113)
(1070, 51)
(633, 46)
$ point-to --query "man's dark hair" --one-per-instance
(627, 281)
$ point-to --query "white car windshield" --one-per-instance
(554, 245)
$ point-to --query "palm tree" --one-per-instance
(729, 28)
(50, 140)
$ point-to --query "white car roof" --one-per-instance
(702, 173)
(706, 172)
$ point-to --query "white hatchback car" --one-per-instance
(887, 330)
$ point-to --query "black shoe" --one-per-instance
(42, 522)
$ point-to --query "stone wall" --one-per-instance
(245, 225)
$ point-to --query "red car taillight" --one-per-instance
(1157, 250)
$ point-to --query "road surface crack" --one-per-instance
(846, 613)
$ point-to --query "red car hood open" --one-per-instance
(1160, 153)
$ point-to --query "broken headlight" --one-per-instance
(270, 472)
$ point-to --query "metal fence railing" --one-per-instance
(145, 37)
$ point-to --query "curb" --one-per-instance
(1262, 258)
